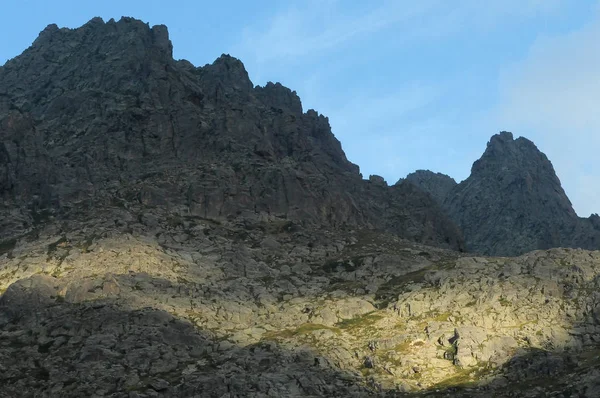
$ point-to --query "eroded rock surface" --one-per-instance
(437, 185)
(512, 202)
(167, 306)
(103, 114)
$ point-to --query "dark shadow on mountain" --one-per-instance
(102, 348)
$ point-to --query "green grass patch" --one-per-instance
(464, 378)
(299, 331)
(403, 347)
(359, 322)
(441, 317)
(390, 290)
(346, 286)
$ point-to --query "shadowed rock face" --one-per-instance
(513, 203)
(102, 114)
(437, 185)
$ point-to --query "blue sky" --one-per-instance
(406, 85)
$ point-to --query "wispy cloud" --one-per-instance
(558, 85)
(310, 28)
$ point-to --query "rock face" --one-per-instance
(437, 185)
(513, 203)
(103, 115)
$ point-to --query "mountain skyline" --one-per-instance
(174, 230)
(396, 96)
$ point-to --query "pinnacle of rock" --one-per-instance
(513, 202)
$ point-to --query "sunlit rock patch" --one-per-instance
(376, 313)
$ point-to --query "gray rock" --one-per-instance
(437, 185)
(513, 203)
(103, 116)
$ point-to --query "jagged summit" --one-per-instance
(519, 157)
(437, 185)
(103, 113)
(231, 72)
(275, 94)
(513, 202)
(134, 29)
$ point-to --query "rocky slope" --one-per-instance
(189, 307)
(512, 202)
(102, 114)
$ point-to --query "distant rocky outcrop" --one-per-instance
(104, 116)
(437, 185)
(512, 202)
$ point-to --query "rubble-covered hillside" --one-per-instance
(146, 305)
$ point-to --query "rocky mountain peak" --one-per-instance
(170, 230)
(437, 185)
(277, 95)
(513, 202)
(230, 72)
(517, 164)
(503, 136)
(505, 154)
(46, 35)
(102, 114)
(125, 33)
(114, 56)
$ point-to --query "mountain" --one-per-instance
(512, 202)
(437, 185)
(169, 230)
(103, 116)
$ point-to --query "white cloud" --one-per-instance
(553, 97)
